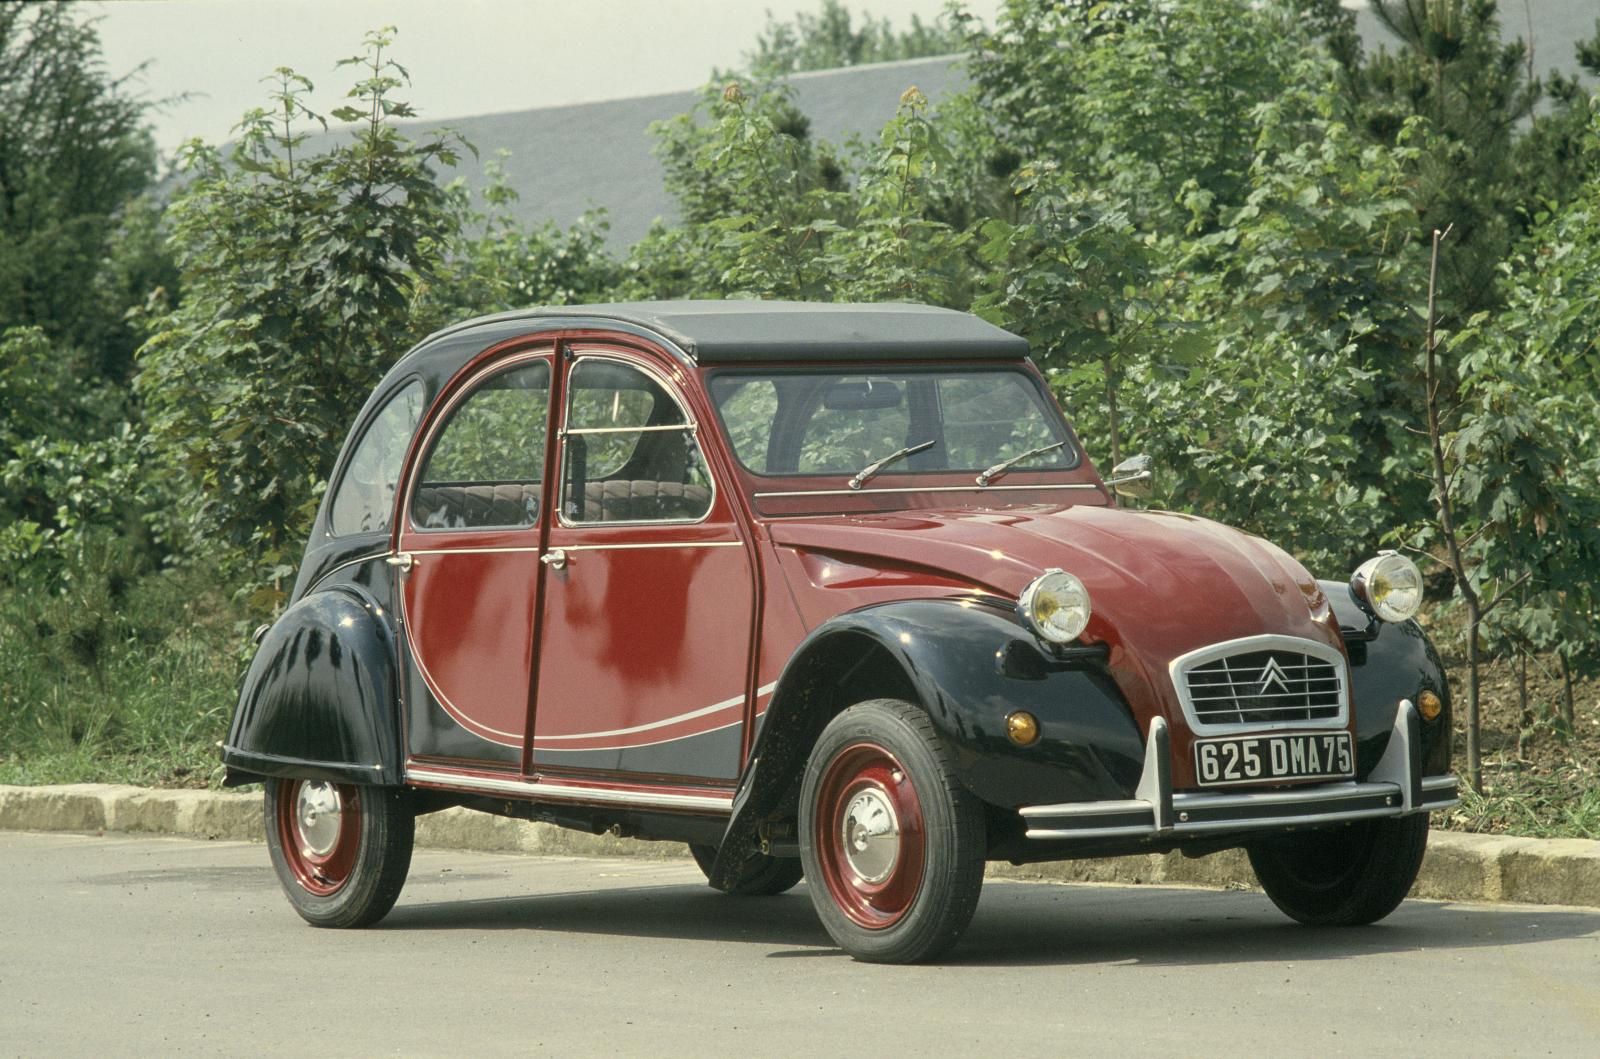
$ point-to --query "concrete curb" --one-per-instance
(1458, 867)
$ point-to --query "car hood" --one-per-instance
(1161, 584)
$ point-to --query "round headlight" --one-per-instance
(1390, 585)
(1056, 605)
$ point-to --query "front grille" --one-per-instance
(1271, 686)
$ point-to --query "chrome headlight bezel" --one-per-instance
(1388, 586)
(1054, 592)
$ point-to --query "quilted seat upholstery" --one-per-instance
(642, 500)
(517, 504)
(465, 506)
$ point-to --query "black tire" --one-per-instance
(763, 876)
(910, 897)
(1345, 877)
(349, 875)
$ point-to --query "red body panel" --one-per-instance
(643, 644)
(481, 680)
(1137, 565)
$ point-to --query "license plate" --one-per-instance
(1268, 758)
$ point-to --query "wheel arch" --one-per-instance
(318, 700)
(957, 661)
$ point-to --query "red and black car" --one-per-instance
(817, 589)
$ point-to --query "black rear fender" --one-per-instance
(319, 698)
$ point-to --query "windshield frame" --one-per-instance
(1060, 429)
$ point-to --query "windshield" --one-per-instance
(827, 422)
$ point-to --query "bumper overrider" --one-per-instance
(1396, 787)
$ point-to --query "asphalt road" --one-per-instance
(118, 946)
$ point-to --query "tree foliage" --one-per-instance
(832, 38)
(300, 275)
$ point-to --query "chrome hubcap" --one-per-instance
(871, 835)
(318, 814)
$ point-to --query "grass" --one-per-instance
(126, 678)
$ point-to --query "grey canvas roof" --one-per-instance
(719, 332)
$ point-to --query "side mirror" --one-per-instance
(1133, 477)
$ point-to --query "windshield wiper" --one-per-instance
(873, 468)
(991, 473)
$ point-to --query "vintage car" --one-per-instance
(818, 589)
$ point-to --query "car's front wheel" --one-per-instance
(1345, 877)
(341, 851)
(892, 844)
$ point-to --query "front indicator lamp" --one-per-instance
(1388, 586)
(1429, 705)
(1056, 606)
(1022, 728)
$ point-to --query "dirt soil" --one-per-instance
(1538, 778)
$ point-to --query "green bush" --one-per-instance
(127, 674)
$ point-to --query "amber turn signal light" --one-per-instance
(1022, 728)
(1429, 705)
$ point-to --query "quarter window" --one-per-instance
(630, 451)
(366, 493)
(487, 466)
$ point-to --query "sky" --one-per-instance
(465, 57)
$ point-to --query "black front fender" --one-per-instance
(1390, 662)
(319, 698)
(968, 664)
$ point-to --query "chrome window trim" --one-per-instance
(468, 388)
(929, 489)
(1179, 666)
(690, 424)
(662, 428)
(511, 549)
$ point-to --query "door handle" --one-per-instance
(555, 558)
(403, 560)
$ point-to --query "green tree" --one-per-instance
(300, 274)
(1490, 156)
(760, 201)
(831, 38)
(1142, 100)
(74, 150)
(491, 263)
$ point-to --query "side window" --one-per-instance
(486, 466)
(630, 451)
(366, 493)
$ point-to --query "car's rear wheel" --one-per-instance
(341, 851)
(892, 843)
(1344, 877)
(763, 876)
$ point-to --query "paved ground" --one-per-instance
(119, 946)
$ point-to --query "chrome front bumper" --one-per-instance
(1395, 788)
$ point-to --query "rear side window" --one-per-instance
(631, 455)
(486, 468)
(366, 493)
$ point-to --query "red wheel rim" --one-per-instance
(869, 835)
(319, 829)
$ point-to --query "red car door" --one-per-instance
(644, 650)
(468, 553)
